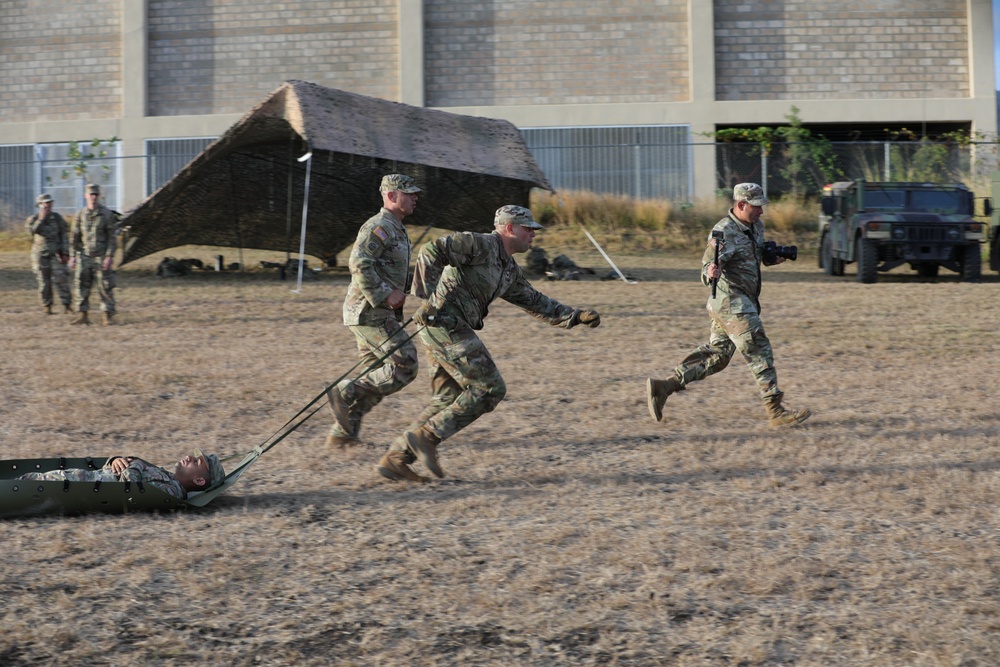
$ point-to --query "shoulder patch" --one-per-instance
(373, 246)
(379, 232)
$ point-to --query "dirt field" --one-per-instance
(571, 530)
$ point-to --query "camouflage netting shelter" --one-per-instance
(246, 189)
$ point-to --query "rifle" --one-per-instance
(719, 237)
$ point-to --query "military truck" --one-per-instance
(884, 225)
(994, 214)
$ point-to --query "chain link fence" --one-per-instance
(655, 162)
(802, 169)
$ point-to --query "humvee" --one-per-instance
(884, 225)
(995, 225)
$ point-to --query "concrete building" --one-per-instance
(603, 89)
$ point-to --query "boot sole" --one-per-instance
(654, 412)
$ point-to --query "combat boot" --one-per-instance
(82, 318)
(340, 408)
(423, 444)
(109, 319)
(340, 441)
(657, 392)
(780, 416)
(48, 310)
(395, 465)
(67, 308)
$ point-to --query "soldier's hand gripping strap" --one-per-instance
(426, 315)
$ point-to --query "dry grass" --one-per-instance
(629, 225)
(572, 530)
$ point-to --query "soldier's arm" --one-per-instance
(111, 220)
(456, 249)
(524, 296)
(364, 262)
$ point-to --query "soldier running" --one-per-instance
(373, 309)
(459, 275)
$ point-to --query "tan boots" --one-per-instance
(657, 392)
(395, 465)
(780, 416)
(82, 318)
(424, 444)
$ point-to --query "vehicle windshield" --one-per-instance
(885, 198)
(930, 201)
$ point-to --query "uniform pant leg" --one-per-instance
(707, 359)
(105, 289)
(60, 276)
(747, 333)
(42, 266)
(386, 377)
(82, 282)
(475, 387)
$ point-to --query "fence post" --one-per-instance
(887, 160)
(763, 167)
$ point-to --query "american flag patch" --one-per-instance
(379, 232)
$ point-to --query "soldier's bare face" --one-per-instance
(523, 236)
(747, 213)
(92, 198)
(190, 468)
(45, 209)
(407, 201)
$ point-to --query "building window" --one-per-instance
(27, 170)
(644, 162)
(166, 157)
(63, 174)
(18, 183)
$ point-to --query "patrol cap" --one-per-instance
(751, 193)
(43, 199)
(515, 215)
(92, 188)
(400, 182)
(215, 472)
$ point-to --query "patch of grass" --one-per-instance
(635, 225)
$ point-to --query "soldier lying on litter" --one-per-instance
(194, 472)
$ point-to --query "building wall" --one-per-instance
(857, 49)
(219, 56)
(57, 64)
(484, 53)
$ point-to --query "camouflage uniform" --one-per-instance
(94, 237)
(137, 471)
(379, 263)
(735, 311)
(462, 274)
(49, 240)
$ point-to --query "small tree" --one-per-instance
(77, 159)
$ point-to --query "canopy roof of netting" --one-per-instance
(246, 189)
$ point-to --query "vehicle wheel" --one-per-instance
(866, 254)
(838, 266)
(928, 269)
(826, 255)
(972, 263)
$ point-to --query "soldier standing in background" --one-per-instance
(95, 237)
(49, 252)
(373, 309)
(459, 275)
(735, 312)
